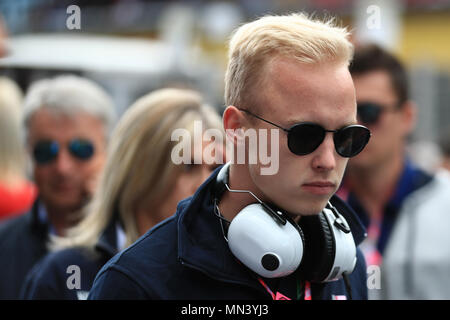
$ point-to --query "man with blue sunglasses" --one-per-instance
(67, 122)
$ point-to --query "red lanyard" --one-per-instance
(307, 291)
(280, 296)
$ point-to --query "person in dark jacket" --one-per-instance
(285, 72)
(138, 188)
(67, 122)
(186, 257)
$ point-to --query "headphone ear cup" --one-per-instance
(320, 248)
(262, 244)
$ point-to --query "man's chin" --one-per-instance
(64, 204)
(308, 210)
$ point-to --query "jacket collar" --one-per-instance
(410, 179)
(38, 224)
(107, 241)
(201, 243)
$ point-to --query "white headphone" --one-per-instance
(270, 243)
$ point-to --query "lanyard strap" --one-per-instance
(279, 296)
(267, 288)
(307, 291)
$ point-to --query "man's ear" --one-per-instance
(232, 118)
(409, 116)
(233, 123)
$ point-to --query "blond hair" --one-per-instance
(296, 36)
(12, 151)
(139, 167)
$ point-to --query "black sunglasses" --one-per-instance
(45, 151)
(369, 113)
(305, 137)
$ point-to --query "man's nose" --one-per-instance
(325, 155)
(64, 162)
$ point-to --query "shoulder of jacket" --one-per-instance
(14, 226)
(162, 232)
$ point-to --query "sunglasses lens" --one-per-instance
(45, 151)
(351, 140)
(82, 149)
(368, 112)
(305, 138)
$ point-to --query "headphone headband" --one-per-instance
(221, 185)
(221, 182)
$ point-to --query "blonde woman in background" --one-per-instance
(17, 193)
(139, 187)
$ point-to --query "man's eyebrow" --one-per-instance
(290, 122)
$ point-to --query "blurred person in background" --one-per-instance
(139, 187)
(404, 209)
(17, 193)
(67, 122)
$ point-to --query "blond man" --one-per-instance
(247, 234)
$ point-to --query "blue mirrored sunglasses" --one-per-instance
(45, 151)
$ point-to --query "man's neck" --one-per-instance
(231, 202)
(61, 219)
(374, 187)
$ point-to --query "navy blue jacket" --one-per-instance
(22, 243)
(187, 257)
(54, 278)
